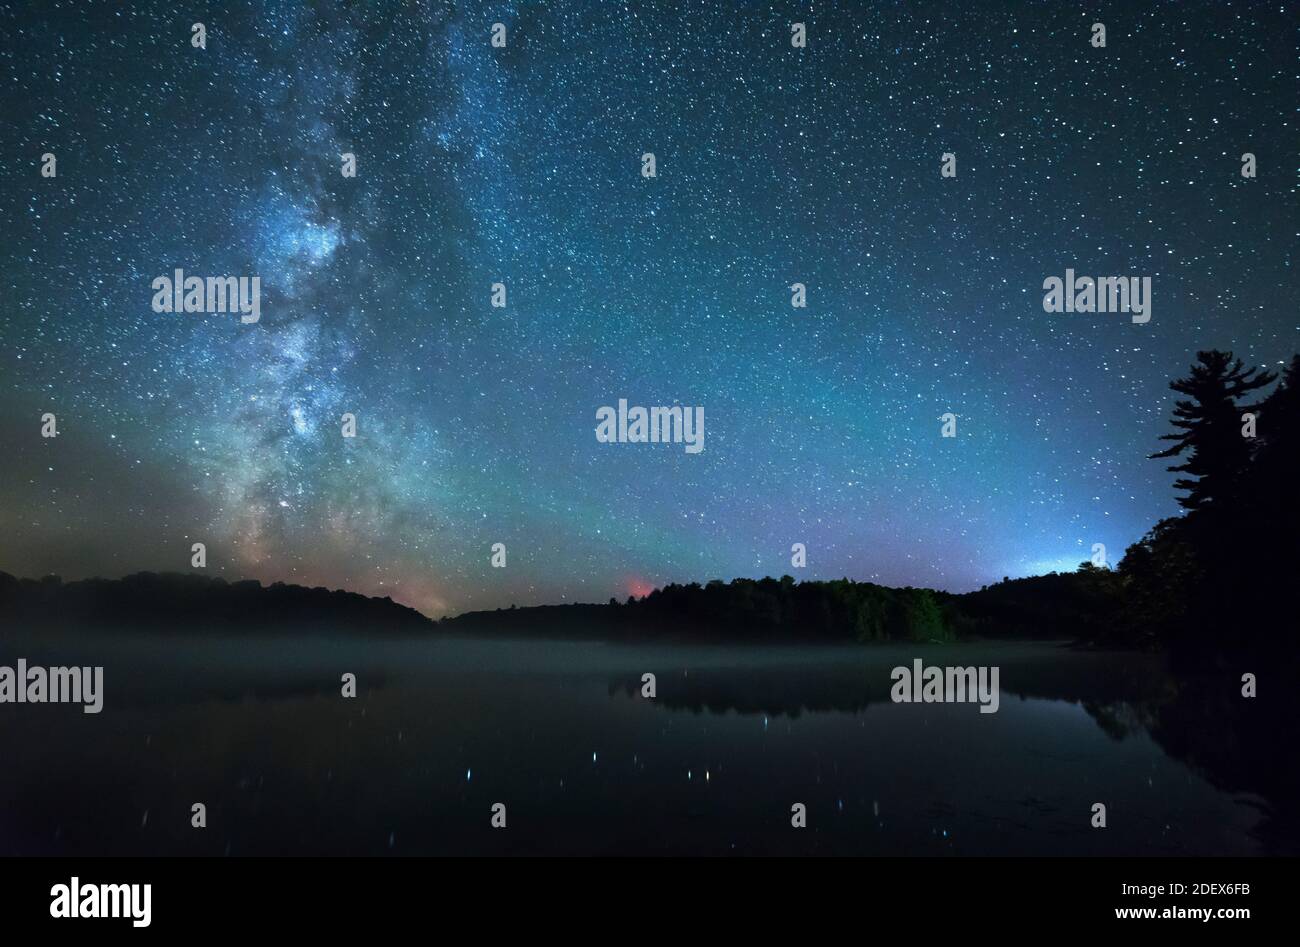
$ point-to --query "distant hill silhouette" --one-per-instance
(176, 602)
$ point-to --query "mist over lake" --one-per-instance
(256, 728)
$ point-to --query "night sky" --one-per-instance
(522, 165)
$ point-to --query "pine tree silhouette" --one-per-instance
(1209, 426)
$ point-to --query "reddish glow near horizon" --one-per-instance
(638, 588)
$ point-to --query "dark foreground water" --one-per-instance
(559, 733)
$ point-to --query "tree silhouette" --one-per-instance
(1210, 428)
(1271, 513)
(1279, 454)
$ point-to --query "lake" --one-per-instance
(256, 729)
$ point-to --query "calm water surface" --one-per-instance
(557, 731)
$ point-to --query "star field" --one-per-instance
(522, 165)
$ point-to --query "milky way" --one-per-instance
(522, 165)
